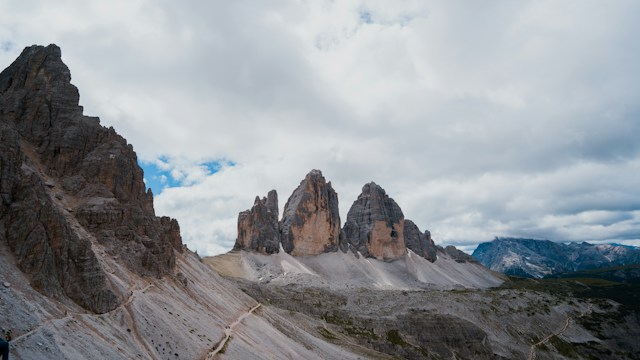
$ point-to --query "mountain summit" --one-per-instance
(87, 269)
(62, 171)
(311, 220)
(375, 225)
(377, 247)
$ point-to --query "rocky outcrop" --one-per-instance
(419, 243)
(311, 219)
(65, 181)
(375, 225)
(258, 228)
(310, 225)
(457, 255)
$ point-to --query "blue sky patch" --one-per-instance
(6, 46)
(365, 17)
(163, 173)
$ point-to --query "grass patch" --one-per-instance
(627, 294)
(592, 281)
(393, 336)
(360, 331)
(327, 334)
(337, 320)
(563, 347)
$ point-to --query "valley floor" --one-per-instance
(508, 322)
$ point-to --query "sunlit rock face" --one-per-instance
(375, 225)
(258, 227)
(311, 219)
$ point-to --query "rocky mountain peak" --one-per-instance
(70, 186)
(375, 225)
(39, 65)
(538, 258)
(420, 243)
(310, 225)
(311, 219)
(258, 227)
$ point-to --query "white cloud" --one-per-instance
(480, 119)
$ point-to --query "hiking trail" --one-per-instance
(228, 331)
(532, 349)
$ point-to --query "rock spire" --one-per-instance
(419, 243)
(375, 225)
(258, 228)
(311, 219)
(310, 225)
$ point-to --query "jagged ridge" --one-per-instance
(67, 181)
(539, 258)
(375, 225)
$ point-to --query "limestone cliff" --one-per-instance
(311, 219)
(375, 225)
(66, 182)
(310, 225)
(420, 243)
(258, 228)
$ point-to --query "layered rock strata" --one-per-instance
(65, 181)
(258, 228)
(311, 219)
(375, 225)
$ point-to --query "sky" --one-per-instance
(481, 119)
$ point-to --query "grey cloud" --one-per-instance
(480, 119)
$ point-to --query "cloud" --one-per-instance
(481, 120)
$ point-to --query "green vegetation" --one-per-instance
(327, 334)
(627, 294)
(393, 336)
(361, 331)
(563, 347)
(337, 319)
(347, 324)
(224, 347)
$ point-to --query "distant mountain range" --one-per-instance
(540, 258)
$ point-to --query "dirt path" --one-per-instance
(228, 331)
(18, 338)
(70, 315)
(131, 297)
(532, 349)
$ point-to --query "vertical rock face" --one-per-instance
(419, 243)
(311, 219)
(66, 179)
(258, 228)
(375, 225)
